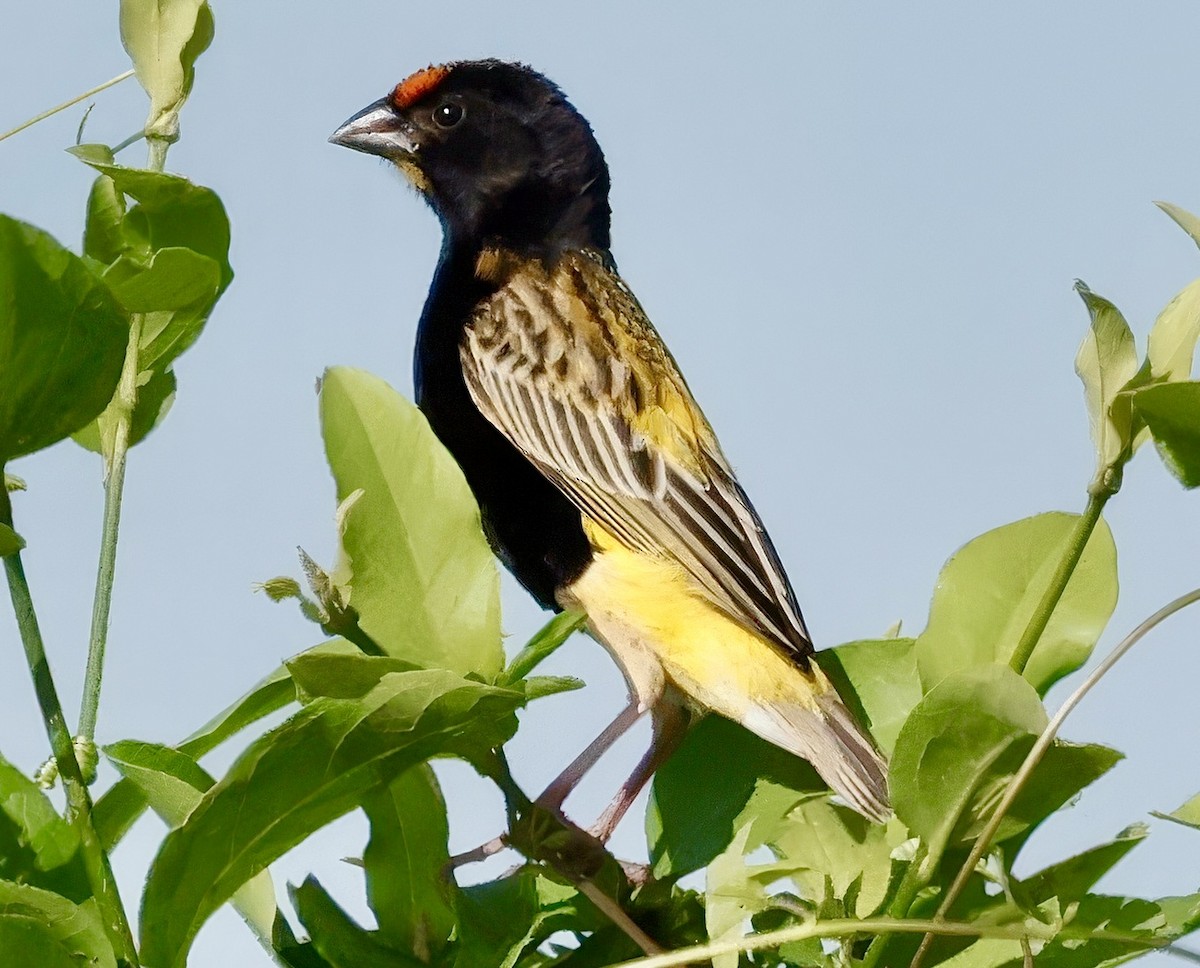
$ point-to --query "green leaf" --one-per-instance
(424, 582)
(102, 239)
(270, 695)
(340, 670)
(818, 843)
(1181, 915)
(172, 783)
(1065, 770)
(26, 941)
(500, 919)
(539, 687)
(171, 212)
(547, 640)
(1172, 412)
(172, 252)
(1106, 362)
(1174, 334)
(732, 895)
(37, 846)
(948, 747)
(73, 932)
(1069, 880)
(337, 938)
(10, 541)
(406, 862)
(300, 776)
(1130, 916)
(987, 592)
(986, 953)
(63, 340)
(690, 820)
(163, 39)
(1187, 814)
(167, 259)
(173, 278)
(879, 680)
(1184, 219)
(121, 805)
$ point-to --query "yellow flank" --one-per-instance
(647, 612)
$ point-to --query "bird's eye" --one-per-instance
(448, 115)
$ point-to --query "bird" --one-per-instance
(601, 484)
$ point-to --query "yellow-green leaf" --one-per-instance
(1174, 334)
(987, 592)
(1184, 219)
(423, 580)
(163, 39)
(1106, 362)
(10, 541)
(1172, 412)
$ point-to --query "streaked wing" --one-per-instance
(567, 366)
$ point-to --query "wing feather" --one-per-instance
(566, 365)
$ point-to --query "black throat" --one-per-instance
(534, 217)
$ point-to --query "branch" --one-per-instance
(79, 803)
(1058, 582)
(842, 927)
(66, 104)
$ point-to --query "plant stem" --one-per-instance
(842, 927)
(79, 803)
(123, 403)
(157, 160)
(1058, 582)
(614, 912)
(1034, 757)
(66, 104)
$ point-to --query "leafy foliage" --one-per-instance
(414, 670)
(63, 340)
(987, 593)
(302, 775)
(424, 585)
(165, 259)
(1172, 412)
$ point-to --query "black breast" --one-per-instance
(532, 527)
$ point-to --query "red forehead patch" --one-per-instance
(410, 90)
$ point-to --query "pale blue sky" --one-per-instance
(857, 227)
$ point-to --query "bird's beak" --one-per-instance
(378, 130)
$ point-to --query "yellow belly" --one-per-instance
(668, 637)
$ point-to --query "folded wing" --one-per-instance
(566, 365)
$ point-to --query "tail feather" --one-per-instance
(830, 739)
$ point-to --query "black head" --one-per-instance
(497, 150)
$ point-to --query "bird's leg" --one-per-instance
(560, 788)
(670, 726)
